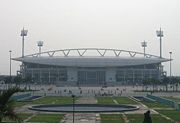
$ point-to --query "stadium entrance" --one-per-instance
(90, 77)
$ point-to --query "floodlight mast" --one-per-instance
(40, 44)
(160, 35)
(23, 34)
(170, 66)
(144, 45)
(10, 51)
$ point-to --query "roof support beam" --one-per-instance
(98, 51)
(52, 54)
(132, 54)
(81, 54)
(102, 53)
(117, 53)
(66, 52)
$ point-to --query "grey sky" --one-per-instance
(120, 24)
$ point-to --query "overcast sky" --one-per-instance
(119, 24)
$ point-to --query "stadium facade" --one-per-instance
(91, 67)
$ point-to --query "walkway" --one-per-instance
(83, 117)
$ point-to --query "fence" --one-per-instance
(165, 101)
(20, 96)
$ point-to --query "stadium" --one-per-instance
(91, 67)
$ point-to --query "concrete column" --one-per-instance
(40, 77)
(58, 76)
(72, 75)
(32, 76)
(49, 76)
(133, 76)
(124, 71)
(110, 75)
(142, 74)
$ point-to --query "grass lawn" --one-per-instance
(138, 118)
(47, 118)
(135, 118)
(47, 100)
(176, 99)
(155, 105)
(105, 100)
(124, 100)
(7, 120)
(23, 116)
(53, 100)
(173, 114)
(111, 118)
(19, 104)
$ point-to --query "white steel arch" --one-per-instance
(100, 52)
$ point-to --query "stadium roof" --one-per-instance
(100, 58)
(91, 61)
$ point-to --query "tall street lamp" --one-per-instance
(40, 44)
(160, 35)
(23, 34)
(144, 45)
(73, 96)
(10, 64)
(170, 68)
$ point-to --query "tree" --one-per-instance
(165, 82)
(154, 82)
(7, 79)
(146, 82)
(7, 104)
(174, 82)
(151, 81)
(18, 80)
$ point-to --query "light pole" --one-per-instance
(73, 96)
(40, 44)
(160, 35)
(10, 65)
(170, 62)
(170, 68)
(144, 45)
(23, 34)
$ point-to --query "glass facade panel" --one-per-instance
(91, 77)
(46, 75)
(135, 75)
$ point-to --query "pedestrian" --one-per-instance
(147, 117)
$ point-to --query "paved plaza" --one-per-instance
(86, 117)
(89, 95)
(83, 117)
(52, 90)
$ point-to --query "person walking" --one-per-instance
(147, 117)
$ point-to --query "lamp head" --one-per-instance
(144, 44)
(159, 33)
(24, 32)
(40, 43)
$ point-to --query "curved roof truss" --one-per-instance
(99, 52)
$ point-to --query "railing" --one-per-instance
(165, 101)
